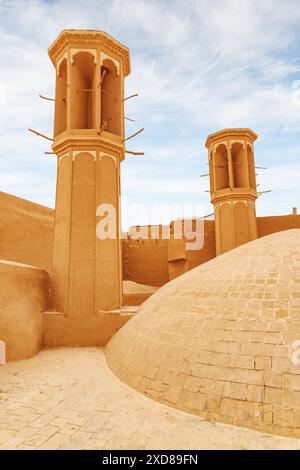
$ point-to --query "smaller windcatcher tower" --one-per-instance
(233, 186)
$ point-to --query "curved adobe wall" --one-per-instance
(23, 296)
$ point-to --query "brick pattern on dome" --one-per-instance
(216, 342)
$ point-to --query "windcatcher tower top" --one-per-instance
(89, 142)
(90, 68)
(233, 186)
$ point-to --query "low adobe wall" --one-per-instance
(148, 262)
(154, 262)
(276, 223)
(97, 330)
(23, 296)
(182, 260)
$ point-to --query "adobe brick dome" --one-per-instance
(217, 341)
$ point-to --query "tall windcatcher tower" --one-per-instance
(233, 187)
(89, 143)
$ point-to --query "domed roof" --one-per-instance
(221, 340)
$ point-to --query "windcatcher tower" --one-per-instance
(89, 143)
(233, 187)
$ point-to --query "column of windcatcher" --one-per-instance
(89, 141)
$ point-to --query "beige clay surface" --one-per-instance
(69, 399)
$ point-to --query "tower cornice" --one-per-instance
(238, 133)
(90, 37)
(235, 194)
(67, 144)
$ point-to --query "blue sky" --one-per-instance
(198, 66)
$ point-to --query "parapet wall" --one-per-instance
(277, 223)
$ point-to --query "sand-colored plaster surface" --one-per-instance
(69, 399)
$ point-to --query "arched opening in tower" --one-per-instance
(83, 92)
(251, 165)
(221, 167)
(61, 99)
(110, 98)
(239, 166)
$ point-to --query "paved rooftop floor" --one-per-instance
(68, 399)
